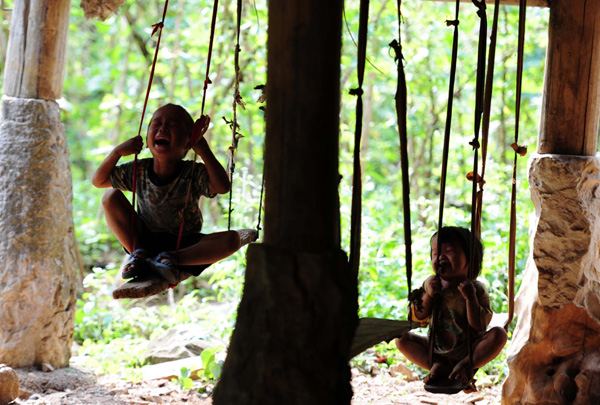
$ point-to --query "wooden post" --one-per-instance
(35, 62)
(570, 109)
(299, 309)
(303, 97)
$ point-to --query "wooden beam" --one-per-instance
(530, 3)
(571, 103)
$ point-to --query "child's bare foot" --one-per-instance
(437, 371)
(461, 372)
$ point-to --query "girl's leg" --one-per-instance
(211, 248)
(415, 348)
(117, 211)
(485, 349)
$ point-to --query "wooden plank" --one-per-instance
(371, 331)
(145, 286)
(530, 3)
(151, 284)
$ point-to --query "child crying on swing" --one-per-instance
(463, 304)
(168, 189)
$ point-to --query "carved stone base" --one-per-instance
(554, 356)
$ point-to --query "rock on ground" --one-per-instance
(9, 384)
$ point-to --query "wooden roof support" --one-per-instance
(570, 108)
(530, 3)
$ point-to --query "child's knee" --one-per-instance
(498, 336)
(403, 342)
(111, 197)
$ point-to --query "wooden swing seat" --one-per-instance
(445, 386)
(151, 284)
(371, 331)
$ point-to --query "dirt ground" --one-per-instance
(74, 387)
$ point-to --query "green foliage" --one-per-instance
(212, 365)
(185, 381)
(105, 83)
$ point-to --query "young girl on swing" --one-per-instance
(169, 189)
(462, 304)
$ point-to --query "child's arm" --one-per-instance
(431, 288)
(475, 309)
(218, 179)
(101, 178)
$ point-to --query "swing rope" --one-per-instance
(401, 114)
(519, 151)
(487, 102)
(356, 210)
(156, 27)
(479, 103)
(202, 123)
(447, 131)
(237, 99)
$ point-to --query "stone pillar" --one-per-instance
(554, 356)
(38, 268)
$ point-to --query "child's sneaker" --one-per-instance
(164, 266)
(136, 265)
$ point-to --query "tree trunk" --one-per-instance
(38, 269)
(298, 312)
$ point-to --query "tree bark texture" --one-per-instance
(298, 313)
(35, 62)
(303, 98)
(571, 103)
(294, 330)
(38, 276)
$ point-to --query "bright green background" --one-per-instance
(105, 82)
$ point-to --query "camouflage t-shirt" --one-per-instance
(451, 326)
(451, 340)
(159, 205)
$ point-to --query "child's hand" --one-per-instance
(433, 286)
(200, 128)
(467, 289)
(132, 146)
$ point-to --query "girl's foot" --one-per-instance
(164, 266)
(136, 265)
(461, 372)
(438, 371)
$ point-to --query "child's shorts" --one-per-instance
(157, 242)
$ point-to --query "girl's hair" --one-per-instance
(454, 234)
